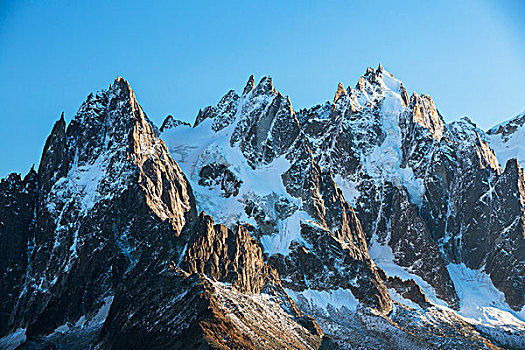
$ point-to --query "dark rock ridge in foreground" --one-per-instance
(107, 246)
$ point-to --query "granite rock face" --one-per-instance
(350, 224)
(225, 255)
(107, 211)
(17, 206)
(259, 131)
(414, 178)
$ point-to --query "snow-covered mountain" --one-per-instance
(366, 222)
(507, 139)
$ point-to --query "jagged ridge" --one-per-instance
(115, 256)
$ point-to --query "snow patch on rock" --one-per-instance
(323, 300)
(289, 231)
(13, 340)
(194, 148)
(510, 145)
(383, 256)
(481, 302)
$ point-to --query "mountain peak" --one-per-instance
(375, 77)
(508, 127)
(122, 88)
(465, 119)
(170, 123)
(250, 85)
(120, 80)
(265, 86)
(425, 114)
(507, 139)
(340, 91)
(512, 164)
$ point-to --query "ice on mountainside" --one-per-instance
(373, 137)
(323, 300)
(210, 143)
(507, 139)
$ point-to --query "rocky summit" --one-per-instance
(366, 222)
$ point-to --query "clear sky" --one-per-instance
(181, 56)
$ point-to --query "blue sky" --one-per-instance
(179, 57)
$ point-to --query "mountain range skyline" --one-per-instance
(279, 175)
(263, 227)
(190, 119)
(180, 57)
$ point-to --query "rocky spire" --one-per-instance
(265, 86)
(107, 178)
(425, 114)
(54, 162)
(170, 123)
(340, 92)
(250, 85)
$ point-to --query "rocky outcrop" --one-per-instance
(505, 259)
(410, 290)
(190, 311)
(171, 122)
(227, 255)
(185, 310)
(270, 134)
(54, 162)
(216, 174)
(17, 238)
